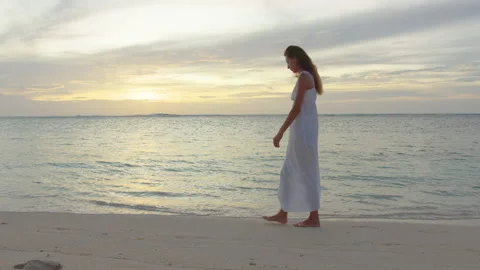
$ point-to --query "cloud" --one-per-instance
(341, 32)
(48, 15)
(433, 77)
(428, 51)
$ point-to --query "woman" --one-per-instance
(299, 189)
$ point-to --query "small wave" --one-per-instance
(180, 161)
(257, 180)
(172, 170)
(113, 172)
(198, 211)
(266, 165)
(69, 165)
(374, 196)
(184, 170)
(376, 203)
(391, 180)
(257, 188)
(149, 184)
(417, 208)
(271, 173)
(164, 194)
(236, 188)
(117, 164)
(17, 139)
(139, 207)
(226, 171)
(389, 185)
(443, 193)
(373, 159)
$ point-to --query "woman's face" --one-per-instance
(291, 64)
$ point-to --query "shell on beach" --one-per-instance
(39, 265)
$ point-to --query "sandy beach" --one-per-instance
(80, 241)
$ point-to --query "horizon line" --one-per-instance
(186, 115)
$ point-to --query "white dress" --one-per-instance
(299, 189)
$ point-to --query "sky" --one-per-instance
(123, 57)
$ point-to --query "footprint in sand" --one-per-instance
(39, 265)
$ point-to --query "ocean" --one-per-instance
(388, 167)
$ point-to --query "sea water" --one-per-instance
(407, 167)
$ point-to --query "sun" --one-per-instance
(145, 95)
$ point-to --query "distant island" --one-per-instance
(134, 115)
(156, 115)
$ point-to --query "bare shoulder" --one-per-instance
(305, 81)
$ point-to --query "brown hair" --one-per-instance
(304, 61)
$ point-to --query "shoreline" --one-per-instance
(293, 217)
(150, 241)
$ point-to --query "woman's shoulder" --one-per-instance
(307, 73)
(305, 77)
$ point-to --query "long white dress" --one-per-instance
(299, 189)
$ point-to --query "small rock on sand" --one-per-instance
(39, 265)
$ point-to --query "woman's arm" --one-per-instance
(304, 83)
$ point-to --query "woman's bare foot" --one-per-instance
(280, 217)
(308, 223)
(312, 221)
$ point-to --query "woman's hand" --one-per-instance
(277, 139)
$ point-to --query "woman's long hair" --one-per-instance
(304, 61)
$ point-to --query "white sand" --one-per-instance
(168, 242)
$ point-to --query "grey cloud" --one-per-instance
(462, 90)
(373, 94)
(31, 74)
(322, 34)
(64, 12)
(406, 71)
(465, 105)
(438, 75)
(468, 79)
(253, 50)
(347, 30)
